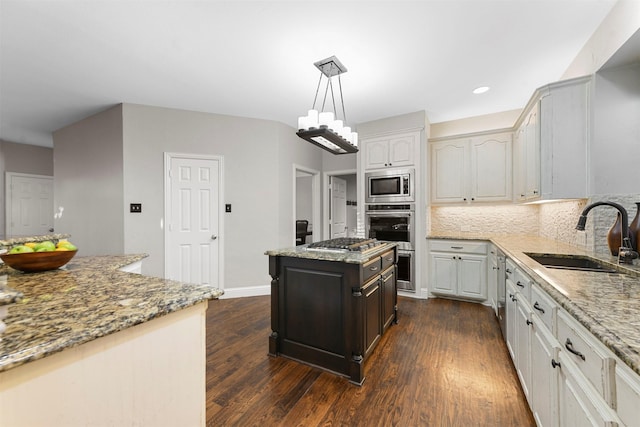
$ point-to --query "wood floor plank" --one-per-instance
(444, 364)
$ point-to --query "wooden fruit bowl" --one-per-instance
(31, 262)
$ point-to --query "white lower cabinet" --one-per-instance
(578, 402)
(627, 395)
(568, 376)
(544, 386)
(458, 269)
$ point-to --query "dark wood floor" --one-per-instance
(444, 364)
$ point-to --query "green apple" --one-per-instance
(20, 249)
(66, 245)
(46, 246)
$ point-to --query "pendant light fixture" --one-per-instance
(322, 128)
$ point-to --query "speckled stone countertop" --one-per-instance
(86, 299)
(348, 257)
(608, 305)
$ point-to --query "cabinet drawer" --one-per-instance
(543, 307)
(590, 356)
(462, 246)
(388, 259)
(523, 284)
(371, 268)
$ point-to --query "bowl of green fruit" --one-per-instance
(33, 257)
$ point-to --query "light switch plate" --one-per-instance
(227, 207)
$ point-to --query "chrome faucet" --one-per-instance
(626, 254)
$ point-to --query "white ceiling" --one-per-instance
(61, 61)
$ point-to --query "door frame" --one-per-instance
(315, 200)
(325, 198)
(8, 196)
(168, 157)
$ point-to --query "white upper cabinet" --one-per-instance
(390, 152)
(472, 169)
(551, 142)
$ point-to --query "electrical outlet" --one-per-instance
(227, 207)
(135, 207)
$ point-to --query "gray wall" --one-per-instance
(615, 150)
(22, 158)
(88, 183)
(258, 164)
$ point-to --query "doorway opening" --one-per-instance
(340, 205)
(306, 205)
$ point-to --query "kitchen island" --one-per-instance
(90, 344)
(330, 306)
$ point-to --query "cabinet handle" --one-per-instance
(537, 307)
(569, 346)
(508, 271)
(496, 268)
(465, 199)
(389, 259)
(529, 322)
(522, 195)
(373, 268)
(519, 284)
(535, 191)
(555, 364)
(473, 198)
(457, 247)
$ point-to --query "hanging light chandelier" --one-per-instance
(322, 128)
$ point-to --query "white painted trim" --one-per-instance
(7, 195)
(168, 156)
(325, 197)
(247, 291)
(315, 197)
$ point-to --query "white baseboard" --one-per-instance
(247, 291)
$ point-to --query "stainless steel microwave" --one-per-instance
(390, 186)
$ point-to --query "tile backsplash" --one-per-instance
(556, 220)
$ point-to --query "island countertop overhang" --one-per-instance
(87, 299)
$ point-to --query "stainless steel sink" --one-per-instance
(572, 262)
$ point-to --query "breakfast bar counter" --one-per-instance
(91, 342)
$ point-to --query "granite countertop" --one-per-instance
(608, 305)
(86, 299)
(302, 251)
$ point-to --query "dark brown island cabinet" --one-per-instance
(330, 307)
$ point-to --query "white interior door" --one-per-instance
(193, 219)
(338, 207)
(29, 208)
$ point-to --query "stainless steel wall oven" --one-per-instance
(394, 223)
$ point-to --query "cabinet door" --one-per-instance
(449, 171)
(523, 350)
(373, 311)
(472, 276)
(377, 154)
(532, 154)
(519, 165)
(443, 273)
(388, 298)
(401, 151)
(578, 402)
(511, 313)
(491, 168)
(544, 390)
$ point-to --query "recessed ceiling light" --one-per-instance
(481, 89)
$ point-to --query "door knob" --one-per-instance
(214, 237)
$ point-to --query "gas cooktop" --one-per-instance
(345, 244)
